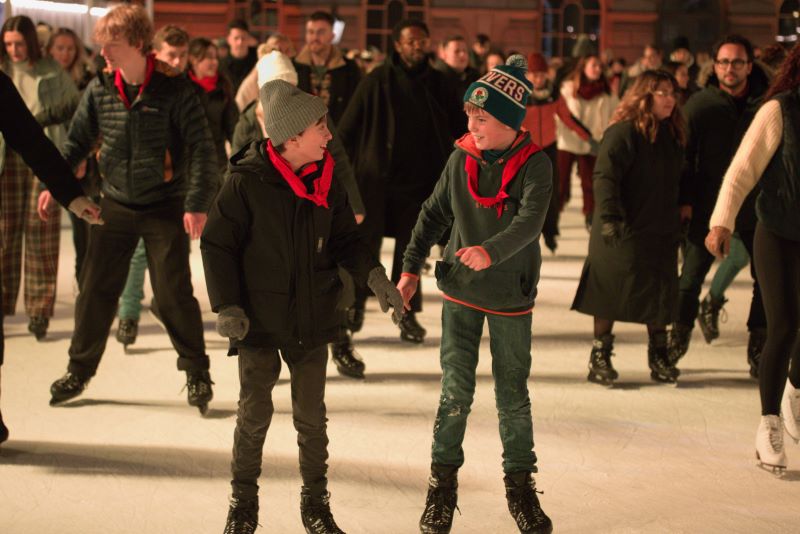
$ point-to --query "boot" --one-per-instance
(758, 336)
(708, 318)
(127, 330)
(355, 317)
(601, 371)
(315, 511)
(441, 502)
(770, 453)
(3, 430)
(38, 327)
(347, 361)
(67, 387)
(198, 389)
(242, 517)
(678, 344)
(410, 329)
(661, 368)
(790, 411)
(524, 504)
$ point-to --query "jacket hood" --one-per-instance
(251, 159)
(757, 81)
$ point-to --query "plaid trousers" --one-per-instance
(19, 193)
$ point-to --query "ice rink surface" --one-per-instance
(130, 456)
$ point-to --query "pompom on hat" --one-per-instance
(503, 92)
(275, 66)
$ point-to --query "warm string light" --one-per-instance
(58, 7)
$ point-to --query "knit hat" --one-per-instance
(276, 66)
(503, 92)
(288, 110)
(537, 62)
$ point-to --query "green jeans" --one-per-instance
(737, 259)
(130, 302)
(510, 344)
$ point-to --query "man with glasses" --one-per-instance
(398, 130)
(717, 118)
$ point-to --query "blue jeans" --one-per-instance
(510, 344)
(130, 302)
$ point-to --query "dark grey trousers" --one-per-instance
(259, 370)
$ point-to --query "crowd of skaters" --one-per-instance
(680, 160)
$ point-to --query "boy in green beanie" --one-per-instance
(494, 191)
(276, 234)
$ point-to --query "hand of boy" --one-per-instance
(232, 322)
(476, 258)
(387, 294)
(407, 286)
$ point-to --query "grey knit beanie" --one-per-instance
(288, 110)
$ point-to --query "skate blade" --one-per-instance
(203, 409)
(779, 471)
(663, 379)
(595, 379)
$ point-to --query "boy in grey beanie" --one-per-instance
(275, 235)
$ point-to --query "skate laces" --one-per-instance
(775, 435)
(525, 507)
(440, 504)
(242, 519)
(321, 519)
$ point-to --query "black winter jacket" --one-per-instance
(222, 115)
(276, 255)
(715, 128)
(160, 148)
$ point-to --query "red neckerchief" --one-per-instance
(510, 169)
(208, 83)
(589, 90)
(322, 184)
(120, 83)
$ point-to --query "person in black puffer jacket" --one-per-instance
(157, 159)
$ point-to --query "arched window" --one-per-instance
(382, 15)
(789, 22)
(564, 20)
(260, 15)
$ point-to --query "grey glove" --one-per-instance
(612, 233)
(387, 293)
(232, 322)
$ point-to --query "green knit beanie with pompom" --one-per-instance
(503, 91)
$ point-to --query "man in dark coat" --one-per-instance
(399, 130)
(717, 118)
(454, 63)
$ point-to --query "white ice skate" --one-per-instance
(790, 411)
(769, 445)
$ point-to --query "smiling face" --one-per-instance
(488, 132)
(309, 145)
(206, 66)
(663, 100)
(16, 48)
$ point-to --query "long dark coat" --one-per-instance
(637, 182)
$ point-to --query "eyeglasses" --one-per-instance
(664, 94)
(736, 63)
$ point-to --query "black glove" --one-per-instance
(612, 233)
(387, 293)
(232, 322)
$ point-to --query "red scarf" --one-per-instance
(322, 184)
(512, 166)
(589, 90)
(208, 83)
(120, 83)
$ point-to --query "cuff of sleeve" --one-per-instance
(411, 269)
(491, 253)
(410, 275)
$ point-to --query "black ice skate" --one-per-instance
(127, 330)
(661, 369)
(38, 327)
(315, 511)
(708, 318)
(67, 387)
(601, 371)
(347, 361)
(755, 344)
(355, 318)
(410, 329)
(524, 504)
(242, 517)
(678, 343)
(198, 389)
(441, 502)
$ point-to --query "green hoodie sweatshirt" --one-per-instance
(511, 240)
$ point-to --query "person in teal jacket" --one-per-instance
(494, 193)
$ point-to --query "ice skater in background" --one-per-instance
(631, 272)
(494, 192)
(769, 156)
(276, 234)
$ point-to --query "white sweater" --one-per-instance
(756, 150)
(595, 114)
